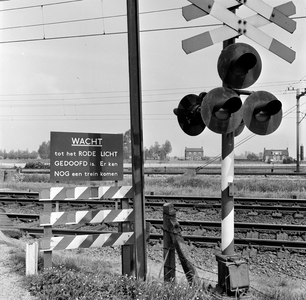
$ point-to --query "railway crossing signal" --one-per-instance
(221, 109)
(239, 65)
(189, 114)
(234, 26)
(262, 113)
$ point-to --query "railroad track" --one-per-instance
(249, 233)
(195, 239)
(199, 224)
(190, 202)
(265, 172)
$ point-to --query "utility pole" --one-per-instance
(298, 96)
(140, 254)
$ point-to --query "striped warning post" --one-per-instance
(227, 207)
(86, 241)
(86, 217)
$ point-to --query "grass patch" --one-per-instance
(188, 185)
(84, 275)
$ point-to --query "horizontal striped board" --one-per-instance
(115, 192)
(53, 218)
(86, 217)
(84, 193)
(86, 241)
(80, 193)
(53, 193)
(99, 216)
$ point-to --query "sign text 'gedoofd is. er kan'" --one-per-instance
(86, 156)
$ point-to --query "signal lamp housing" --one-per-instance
(221, 110)
(262, 113)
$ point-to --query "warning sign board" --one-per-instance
(76, 156)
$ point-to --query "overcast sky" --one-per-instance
(64, 67)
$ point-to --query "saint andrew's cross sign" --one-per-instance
(235, 26)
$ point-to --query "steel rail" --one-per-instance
(19, 194)
(28, 196)
(267, 170)
(178, 205)
(282, 244)
(22, 216)
(272, 205)
(200, 199)
(61, 231)
(238, 225)
(202, 172)
(201, 224)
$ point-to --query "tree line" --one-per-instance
(42, 152)
(156, 151)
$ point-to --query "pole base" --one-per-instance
(219, 295)
(233, 277)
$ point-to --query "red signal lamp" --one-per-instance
(239, 65)
(221, 110)
(262, 113)
(188, 114)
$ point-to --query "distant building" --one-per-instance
(275, 155)
(194, 153)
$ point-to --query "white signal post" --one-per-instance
(234, 26)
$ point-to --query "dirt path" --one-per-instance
(10, 283)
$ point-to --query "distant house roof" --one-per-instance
(269, 152)
(193, 149)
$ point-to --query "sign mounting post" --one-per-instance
(137, 138)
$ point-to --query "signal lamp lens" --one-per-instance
(243, 64)
(262, 116)
(222, 114)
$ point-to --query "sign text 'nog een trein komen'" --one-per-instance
(86, 156)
